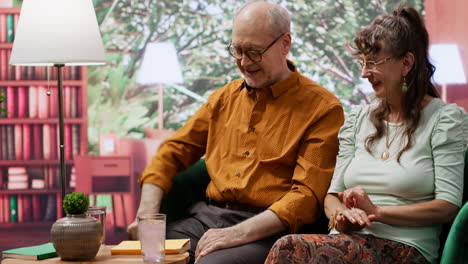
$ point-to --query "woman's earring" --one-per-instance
(404, 88)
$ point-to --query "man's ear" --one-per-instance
(408, 63)
(286, 43)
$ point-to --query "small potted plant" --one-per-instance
(76, 236)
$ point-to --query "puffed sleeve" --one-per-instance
(347, 137)
(449, 139)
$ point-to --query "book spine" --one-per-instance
(18, 142)
(6, 208)
(3, 32)
(13, 208)
(3, 64)
(36, 208)
(9, 27)
(27, 208)
(43, 102)
(33, 102)
(20, 208)
(46, 145)
(11, 102)
(68, 142)
(11, 142)
(27, 142)
(22, 102)
(37, 138)
(2, 211)
(4, 142)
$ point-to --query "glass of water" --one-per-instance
(152, 234)
(99, 212)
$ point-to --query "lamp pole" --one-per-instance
(61, 128)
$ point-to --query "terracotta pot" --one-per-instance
(76, 237)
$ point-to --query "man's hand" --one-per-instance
(217, 238)
(151, 196)
(132, 230)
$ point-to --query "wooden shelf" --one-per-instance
(30, 191)
(10, 10)
(32, 162)
(41, 83)
(52, 120)
(6, 45)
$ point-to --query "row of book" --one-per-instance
(8, 24)
(40, 102)
(45, 177)
(17, 73)
(20, 208)
(38, 141)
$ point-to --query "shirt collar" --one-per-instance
(282, 86)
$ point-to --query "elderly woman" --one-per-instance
(399, 172)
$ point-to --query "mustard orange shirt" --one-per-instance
(273, 147)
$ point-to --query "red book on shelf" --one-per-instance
(20, 208)
(11, 68)
(2, 216)
(6, 208)
(38, 72)
(22, 101)
(11, 141)
(43, 102)
(27, 208)
(67, 101)
(75, 140)
(52, 177)
(53, 142)
(3, 64)
(37, 139)
(3, 28)
(4, 140)
(46, 151)
(27, 142)
(36, 208)
(68, 142)
(18, 72)
(11, 102)
(18, 142)
(53, 108)
(33, 101)
(73, 101)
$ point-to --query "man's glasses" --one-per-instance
(253, 55)
(371, 65)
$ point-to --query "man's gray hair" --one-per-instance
(279, 18)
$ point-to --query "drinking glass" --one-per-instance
(99, 212)
(152, 234)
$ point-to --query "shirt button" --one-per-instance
(247, 153)
(238, 174)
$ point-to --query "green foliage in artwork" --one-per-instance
(200, 30)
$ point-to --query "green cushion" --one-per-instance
(188, 188)
(456, 246)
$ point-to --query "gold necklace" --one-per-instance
(386, 154)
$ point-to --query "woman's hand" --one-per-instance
(357, 197)
(353, 219)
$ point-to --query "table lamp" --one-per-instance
(160, 66)
(57, 33)
(449, 67)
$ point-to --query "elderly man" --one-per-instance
(270, 141)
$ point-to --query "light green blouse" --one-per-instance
(431, 169)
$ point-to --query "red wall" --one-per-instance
(447, 22)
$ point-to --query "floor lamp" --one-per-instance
(57, 33)
(160, 67)
(449, 67)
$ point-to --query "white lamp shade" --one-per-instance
(447, 60)
(57, 32)
(160, 65)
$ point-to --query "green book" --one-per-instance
(9, 26)
(39, 252)
(13, 209)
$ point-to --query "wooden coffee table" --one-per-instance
(104, 257)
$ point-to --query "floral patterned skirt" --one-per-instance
(356, 248)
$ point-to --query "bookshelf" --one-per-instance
(29, 147)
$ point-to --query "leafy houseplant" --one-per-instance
(76, 236)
